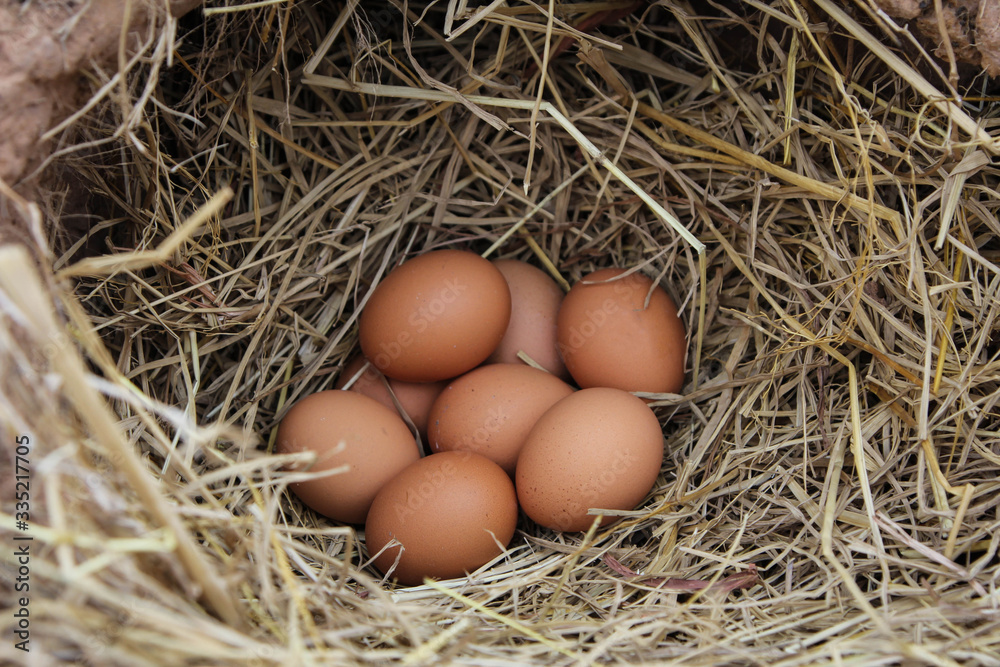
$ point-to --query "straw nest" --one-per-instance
(830, 489)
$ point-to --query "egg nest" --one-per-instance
(213, 220)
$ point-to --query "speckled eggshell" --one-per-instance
(415, 398)
(535, 300)
(345, 428)
(609, 339)
(451, 512)
(597, 448)
(435, 316)
(491, 409)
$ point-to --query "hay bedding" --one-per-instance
(830, 490)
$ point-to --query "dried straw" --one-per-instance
(822, 206)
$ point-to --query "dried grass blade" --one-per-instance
(857, 439)
(20, 279)
(107, 265)
(818, 188)
(506, 620)
(911, 76)
(951, 191)
(472, 21)
(527, 105)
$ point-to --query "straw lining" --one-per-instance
(837, 434)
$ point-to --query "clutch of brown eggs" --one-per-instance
(452, 319)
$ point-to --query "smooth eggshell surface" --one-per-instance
(451, 512)
(609, 339)
(435, 316)
(535, 300)
(597, 448)
(415, 398)
(491, 409)
(345, 428)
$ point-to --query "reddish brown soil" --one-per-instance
(44, 45)
(973, 27)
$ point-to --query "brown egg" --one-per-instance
(435, 317)
(534, 306)
(451, 512)
(415, 398)
(609, 339)
(491, 409)
(597, 448)
(345, 428)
